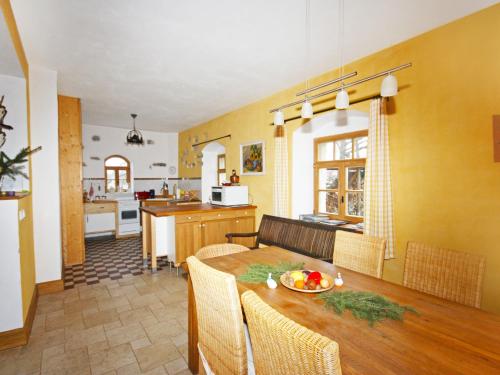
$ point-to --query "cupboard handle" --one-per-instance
(237, 221)
(189, 217)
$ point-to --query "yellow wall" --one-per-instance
(446, 185)
(26, 226)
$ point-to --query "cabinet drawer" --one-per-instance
(99, 208)
(186, 218)
(244, 213)
(218, 216)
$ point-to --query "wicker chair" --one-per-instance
(221, 333)
(281, 346)
(360, 253)
(444, 273)
(218, 250)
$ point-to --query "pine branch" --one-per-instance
(365, 305)
(258, 273)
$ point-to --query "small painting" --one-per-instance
(252, 158)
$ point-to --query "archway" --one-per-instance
(209, 168)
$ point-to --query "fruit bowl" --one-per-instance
(291, 280)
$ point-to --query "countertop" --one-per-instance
(101, 201)
(193, 208)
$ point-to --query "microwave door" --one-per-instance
(216, 196)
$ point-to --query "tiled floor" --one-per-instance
(108, 259)
(132, 325)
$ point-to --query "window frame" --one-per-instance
(220, 170)
(116, 172)
(341, 166)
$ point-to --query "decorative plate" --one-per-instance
(285, 280)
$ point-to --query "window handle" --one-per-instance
(342, 199)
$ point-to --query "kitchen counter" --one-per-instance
(191, 209)
(179, 231)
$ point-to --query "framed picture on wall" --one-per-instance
(253, 158)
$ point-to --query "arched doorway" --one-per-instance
(209, 168)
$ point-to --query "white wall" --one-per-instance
(209, 169)
(45, 170)
(332, 123)
(112, 142)
(14, 89)
(11, 308)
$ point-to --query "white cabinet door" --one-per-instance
(100, 222)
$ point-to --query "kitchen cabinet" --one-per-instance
(187, 239)
(244, 225)
(193, 226)
(99, 223)
(214, 231)
(100, 217)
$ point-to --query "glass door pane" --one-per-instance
(325, 151)
(355, 194)
(328, 178)
(328, 202)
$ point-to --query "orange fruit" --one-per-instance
(299, 284)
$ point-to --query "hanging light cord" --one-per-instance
(308, 42)
(341, 39)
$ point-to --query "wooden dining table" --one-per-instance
(444, 338)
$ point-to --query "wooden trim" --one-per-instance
(341, 165)
(20, 336)
(50, 287)
(116, 170)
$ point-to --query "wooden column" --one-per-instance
(70, 177)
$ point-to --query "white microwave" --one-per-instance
(229, 195)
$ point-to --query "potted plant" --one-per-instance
(15, 166)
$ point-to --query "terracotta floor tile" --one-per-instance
(176, 366)
(85, 337)
(100, 318)
(128, 333)
(111, 359)
(164, 331)
(153, 356)
(71, 362)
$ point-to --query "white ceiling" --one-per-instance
(180, 63)
(9, 63)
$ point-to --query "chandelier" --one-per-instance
(134, 137)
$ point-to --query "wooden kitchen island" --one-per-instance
(180, 231)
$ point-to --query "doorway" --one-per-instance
(209, 169)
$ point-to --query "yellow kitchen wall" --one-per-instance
(446, 187)
(27, 256)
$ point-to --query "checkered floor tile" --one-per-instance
(108, 259)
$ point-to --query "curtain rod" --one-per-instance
(211, 140)
(328, 109)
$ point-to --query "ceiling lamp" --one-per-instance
(342, 100)
(134, 137)
(389, 86)
(307, 110)
(279, 117)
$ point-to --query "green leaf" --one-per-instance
(258, 273)
(364, 305)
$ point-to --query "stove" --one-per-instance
(128, 216)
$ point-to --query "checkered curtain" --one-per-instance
(378, 195)
(280, 197)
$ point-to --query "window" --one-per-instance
(339, 175)
(221, 169)
(117, 174)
